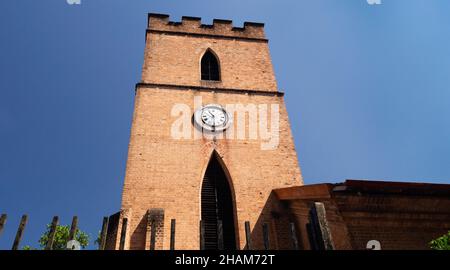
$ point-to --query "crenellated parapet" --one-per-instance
(194, 26)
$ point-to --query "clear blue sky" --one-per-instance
(367, 91)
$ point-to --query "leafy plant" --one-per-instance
(29, 248)
(61, 238)
(97, 241)
(441, 243)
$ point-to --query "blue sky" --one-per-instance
(367, 92)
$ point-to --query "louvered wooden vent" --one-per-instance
(217, 205)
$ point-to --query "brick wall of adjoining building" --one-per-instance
(400, 216)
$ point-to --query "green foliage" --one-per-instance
(441, 243)
(29, 248)
(97, 241)
(61, 238)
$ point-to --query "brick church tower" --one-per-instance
(210, 138)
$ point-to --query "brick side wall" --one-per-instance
(398, 220)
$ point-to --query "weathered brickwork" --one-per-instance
(155, 229)
(175, 59)
(398, 215)
(167, 173)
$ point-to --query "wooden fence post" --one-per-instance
(248, 235)
(104, 233)
(73, 228)
(2, 222)
(23, 223)
(52, 233)
(123, 233)
(172, 234)
(319, 227)
(293, 236)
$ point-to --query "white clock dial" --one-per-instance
(212, 117)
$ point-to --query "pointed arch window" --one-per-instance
(217, 205)
(210, 67)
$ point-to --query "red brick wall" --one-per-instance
(175, 58)
(166, 173)
(398, 220)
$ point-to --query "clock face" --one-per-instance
(212, 117)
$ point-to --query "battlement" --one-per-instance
(194, 26)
